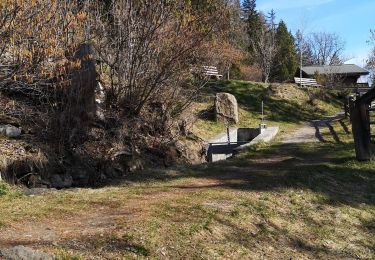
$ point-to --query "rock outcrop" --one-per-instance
(10, 131)
(226, 108)
(23, 253)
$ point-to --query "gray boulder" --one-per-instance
(10, 131)
(23, 253)
(61, 181)
(226, 108)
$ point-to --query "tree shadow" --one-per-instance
(318, 134)
(285, 166)
(267, 230)
(333, 133)
(344, 126)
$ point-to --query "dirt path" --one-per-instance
(107, 218)
(311, 132)
(103, 218)
(302, 135)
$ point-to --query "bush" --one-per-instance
(250, 73)
(4, 189)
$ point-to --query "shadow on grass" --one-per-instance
(315, 167)
(267, 230)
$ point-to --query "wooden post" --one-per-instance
(361, 130)
(346, 106)
(350, 107)
(228, 135)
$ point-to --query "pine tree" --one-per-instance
(286, 61)
(254, 25)
(248, 9)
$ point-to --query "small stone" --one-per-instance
(10, 131)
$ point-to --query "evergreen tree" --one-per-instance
(248, 9)
(254, 25)
(286, 62)
(236, 36)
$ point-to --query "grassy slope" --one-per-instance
(285, 105)
(276, 201)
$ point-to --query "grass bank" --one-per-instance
(285, 105)
(299, 201)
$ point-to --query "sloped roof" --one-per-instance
(348, 69)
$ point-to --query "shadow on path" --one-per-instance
(327, 122)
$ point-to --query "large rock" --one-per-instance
(127, 161)
(10, 131)
(23, 253)
(226, 108)
(61, 181)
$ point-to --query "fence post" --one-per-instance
(346, 106)
(359, 116)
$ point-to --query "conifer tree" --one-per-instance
(285, 64)
(254, 25)
(248, 9)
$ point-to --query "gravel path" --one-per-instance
(310, 133)
(306, 134)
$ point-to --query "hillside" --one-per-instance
(285, 105)
(303, 200)
(284, 200)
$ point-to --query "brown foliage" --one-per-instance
(149, 53)
(250, 73)
(35, 38)
(38, 42)
(150, 49)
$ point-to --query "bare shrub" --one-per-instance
(326, 48)
(250, 73)
(151, 52)
(317, 94)
(38, 42)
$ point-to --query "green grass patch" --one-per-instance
(4, 189)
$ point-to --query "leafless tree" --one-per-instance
(371, 59)
(326, 48)
(264, 46)
(151, 49)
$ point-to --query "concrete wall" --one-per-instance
(247, 134)
(223, 138)
(218, 148)
(266, 135)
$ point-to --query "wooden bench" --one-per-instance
(211, 71)
(306, 82)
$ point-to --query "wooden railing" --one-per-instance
(306, 82)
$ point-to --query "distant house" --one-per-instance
(345, 74)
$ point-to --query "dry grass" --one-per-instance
(303, 201)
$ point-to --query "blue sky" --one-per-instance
(350, 19)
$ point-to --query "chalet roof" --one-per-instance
(347, 69)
